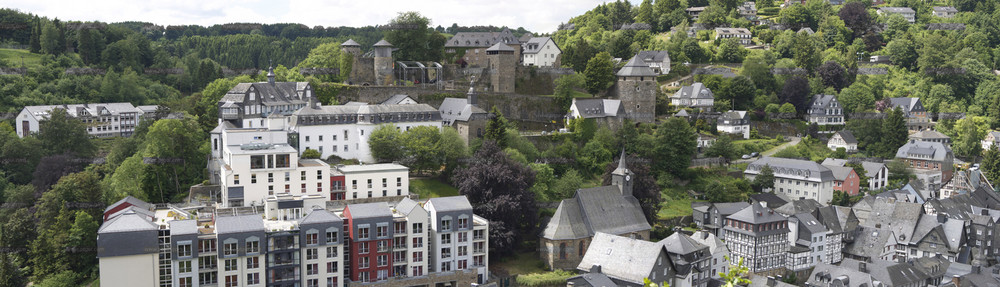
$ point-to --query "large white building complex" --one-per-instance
(796, 179)
(101, 119)
(369, 181)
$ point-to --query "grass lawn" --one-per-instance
(522, 262)
(14, 57)
(430, 188)
(675, 205)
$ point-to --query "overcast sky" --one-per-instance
(535, 15)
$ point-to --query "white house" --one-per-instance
(843, 139)
(659, 61)
(248, 105)
(696, 96)
(825, 110)
(251, 164)
(734, 122)
(906, 12)
(343, 130)
(991, 139)
(944, 11)
(744, 35)
(101, 119)
(369, 181)
(458, 237)
(796, 178)
(540, 51)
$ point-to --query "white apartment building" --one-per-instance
(540, 51)
(796, 179)
(410, 248)
(369, 181)
(102, 119)
(251, 164)
(459, 238)
(343, 130)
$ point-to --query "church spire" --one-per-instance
(270, 72)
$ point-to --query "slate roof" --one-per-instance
(834, 162)
(820, 103)
(320, 216)
(592, 210)
(732, 31)
(459, 109)
(946, 9)
(840, 172)
(756, 214)
(382, 43)
(848, 136)
(837, 219)
(369, 210)
(772, 200)
(809, 225)
(828, 273)
(694, 91)
(366, 109)
(405, 206)
(929, 134)
(594, 280)
(77, 110)
(733, 115)
(598, 108)
(481, 39)
(535, 44)
(714, 243)
(636, 68)
(869, 242)
(897, 9)
(918, 149)
(653, 56)
(130, 200)
(126, 223)
(350, 43)
(500, 47)
(907, 104)
(395, 100)
(729, 208)
(799, 206)
(621, 258)
(239, 223)
(451, 203)
(761, 281)
(871, 168)
(792, 168)
(896, 274)
(278, 93)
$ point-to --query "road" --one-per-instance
(794, 141)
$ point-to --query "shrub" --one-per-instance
(554, 278)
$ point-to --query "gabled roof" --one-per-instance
(653, 56)
(757, 213)
(896, 9)
(501, 47)
(807, 205)
(534, 45)
(395, 100)
(240, 223)
(598, 209)
(694, 91)
(597, 108)
(481, 39)
(907, 104)
(130, 200)
(636, 68)
(820, 103)
(924, 150)
(406, 205)
(729, 208)
(127, 222)
(848, 136)
(320, 216)
(872, 168)
(772, 200)
(792, 168)
(450, 203)
(947, 9)
(733, 115)
(929, 134)
(621, 258)
(840, 173)
(278, 93)
(824, 273)
(459, 109)
(869, 242)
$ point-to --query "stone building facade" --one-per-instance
(637, 88)
(366, 69)
(503, 66)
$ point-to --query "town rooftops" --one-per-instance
(694, 91)
(459, 109)
(792, 168)
(84, 110)
(757, 213)
(320, 216)
(239, 223)
(679, 243)
(127, 222)
(825, 275)
(598, 108)
(728, 208)
(481, 39)
(369, 210)
(840, 173)
(598, 209)
(799, 206)
(621, 258)
(651, 56)
(772, 200)
(636, 68)
(450, 203)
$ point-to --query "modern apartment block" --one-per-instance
(251, 164)
(178, 248)
(369, 181)
(295, 241)
(796, 178)
(459, 237)
(102, 119)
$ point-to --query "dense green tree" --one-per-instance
(787, 108)
(498, 189)
(676, 145)
(644, 185)
(593, 157)
(90, 44)
(34, 44)
(723, 147)
(855, 16)
(894, 133)
(584, 129)
(796, 91)
(731, 51)
(496, 128)
(565, 85)
(566, 185)
(311, 154)
(968, 144)
(764, 180)
(386, 143)
(408, 32)
(50, 39)
(797, 17)
(833, 75)
(600, 75)
(177, 149)
(858, 97)
(645, 13)
(740, 90)
(544, 181)
(123, 54)
(991, 163)
(61, 133)
(903, 52)
(805, 50)
(82, 242)
(714, 15)
(421, 148)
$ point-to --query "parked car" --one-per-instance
(746, 156)
(754, 154)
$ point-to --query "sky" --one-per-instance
(535, 15)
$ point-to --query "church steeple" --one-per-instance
(622, 176)
(270, 73)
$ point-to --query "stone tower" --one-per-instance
(502, 63)
(354, 49)
(622, 176)
(351, 47)
(637, 90)
(383, 63)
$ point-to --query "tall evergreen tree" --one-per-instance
(34, 44)
(496, 128)
(894, 133)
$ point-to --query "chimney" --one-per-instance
(595, 269)
(976, 269)
(942, 218)
(313, 103)
(771, 281)
(863, 267)
(957, 280)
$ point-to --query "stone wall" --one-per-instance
(363, 71)
(538, 80)
(638, 96)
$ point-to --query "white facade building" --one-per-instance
(734, 122)
(343, 130)
(101, 119)
(409, 242)
(540, 51)
(369, 181)
(251, 164)
(459, 239)
(796, 178)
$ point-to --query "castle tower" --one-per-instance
(351, 47)
(502, 63)
(637, 90)
(383, 63)
(622, 176)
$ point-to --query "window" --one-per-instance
(253, 178)
(231, 264)
(382, 231)
(256, 161)
(418, 242)
(307, 138)
(319, 187)
(331, 252)
(184, 266)
(302, 175)
(418, 228)
(345, 135)
(369, 183)
(354, 184)
(445, 225)
(363, 233)
(383, 260)
(463, 223)
(463, 237)
(364, 262)
(312, 254)
(253, 246)
(331, 236)
(463, 250)
(236, 179)
(445, 238)
(445, 266)
(320, 138)
(253, 262)
(478, 234)
(418, 257)
(399, 181)
(208, 278)
(383, 246)
(312, 283)
(363, 247)
(446, 253)
(345, 147)
(229, 249)
(253, 278)
(312, 269)
(270, 177)
(331, 267)
(184, 250)
(184, 282)
(312, 237)
(283, 160)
